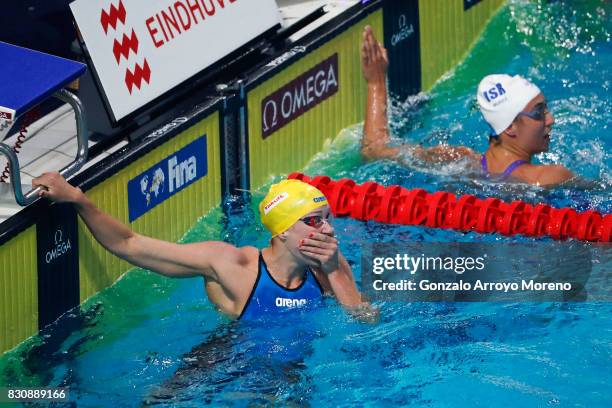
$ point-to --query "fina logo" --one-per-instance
(405, 31)
(167, 177)
(157, 186)
(318, 199)
(179, 174)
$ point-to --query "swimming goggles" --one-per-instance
(315, 221)
(538, 113)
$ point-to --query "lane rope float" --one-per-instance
(398, 205)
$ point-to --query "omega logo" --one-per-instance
(404, 32)
(299, 95)
(60, 247)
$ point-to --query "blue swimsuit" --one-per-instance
(506, 173)
(269, 297)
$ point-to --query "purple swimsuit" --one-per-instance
(506, 173)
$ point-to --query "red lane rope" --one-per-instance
(398, 205)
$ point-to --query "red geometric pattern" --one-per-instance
(136, 77)
(124, 47)
(115, 14)
(398, 205)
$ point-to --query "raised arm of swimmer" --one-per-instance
(375, 142)
(514, 108)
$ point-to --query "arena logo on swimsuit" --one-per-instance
(285, 302)
(166, 178)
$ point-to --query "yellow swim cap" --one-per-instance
(287, 202)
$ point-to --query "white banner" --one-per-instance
(141, 49)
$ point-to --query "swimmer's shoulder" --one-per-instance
(248, 255)
(223, 256)
(543, 174)
(236, 273)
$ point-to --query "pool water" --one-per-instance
(155, 341)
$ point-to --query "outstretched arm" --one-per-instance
(375, 142)
(166, 258)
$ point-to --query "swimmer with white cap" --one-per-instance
(301, 264)
(514, 108)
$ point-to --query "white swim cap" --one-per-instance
(501, 97)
